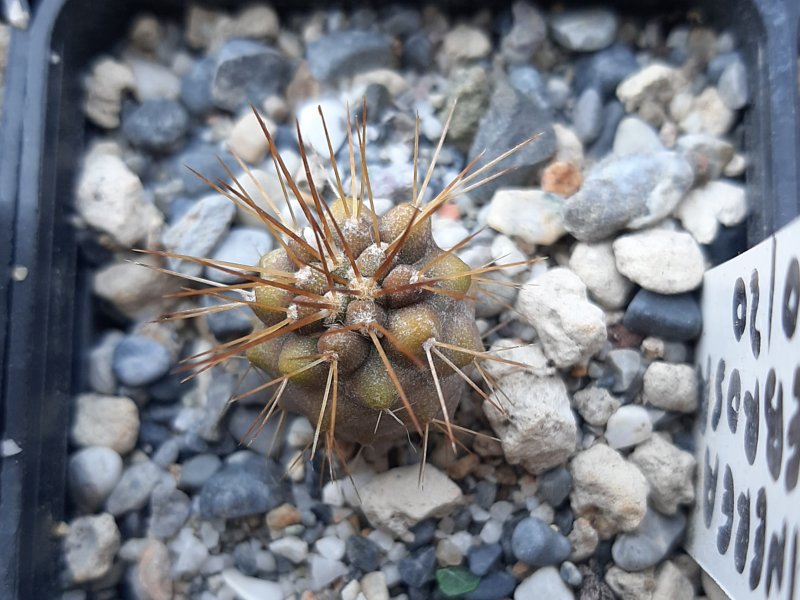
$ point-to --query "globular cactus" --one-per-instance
(365, 324)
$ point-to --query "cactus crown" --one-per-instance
(365, 324)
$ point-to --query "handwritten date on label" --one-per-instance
(745, 530)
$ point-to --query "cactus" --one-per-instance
(366, 326)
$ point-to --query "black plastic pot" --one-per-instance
(44, 307)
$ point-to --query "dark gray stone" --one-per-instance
(247, 71)
(612, 115)
(156, 125)
(228, 324)
(554, 486)
(605, 70)
(362, 553)
(418, 51)
(676, 317)
(140, 360)
(535, 543)
(495, 586)
(418, 569)
(483, 558)
(345, 53)
(656, 537)
(587, 116)
(196, 87)
(240, 490)
(511, 119)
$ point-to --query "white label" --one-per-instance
(745, 529)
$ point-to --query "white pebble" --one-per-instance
(628, 426)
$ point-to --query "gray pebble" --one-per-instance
(587, 116)
(733, 88)
(196, 471)
(198, 231)
(228, 324)
(169, 509)
(203, 160)
(240, 490)
(93, 473)
(133, 489)
(140, 360)
(500, 130)
(242, 245)
(483, 558)
(247, 71)
(156, 125)
(554, 486)
(362, 553)
(570, 574)
(535, 543)
(655, 538)
(625, 364)
(604, 70)
(196, 87)
(344, 53)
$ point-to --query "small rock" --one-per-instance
(247, 72)
(470, 86)
(628, 191)
(152, 572)
(134, 488)
(154, 81)
(362, 553)
(239, 490)
(230, 324)
(655, 538)
(90, 546)
(595, 405)
(418, 569)
(325, 571)
(464, 43)
(669, 471)
(554, 486)
(107, 83)
(570, 574)
(561, 178)
(499, 131)
(675, 317)
(393, 501)
(708, 154)
(671, 387)
(662, 261)
(254, 21)
(531, 215)
(672, 584)
(251, 588)
(92, 475)
(587, 115)
(196, 87)
(708, 114)
(595, 265)
(570, 327)
(528, 31)
(330, 547)
(495, 586)
(541, 434)
(189, 554)
(169, 509)
(156, 125)
(139, 361)
(583, 539)
(447, 232)
(247, 139)
(732, 86)
(584, 30)
(283, 516)
(544, 583)
(604, 70)
(198, 231)
(242, 245)
(374, 587)
(344, 53)
(628, 426)
(535, 543)
(101, 375)
(634, 136)
(111, 421)
(656, 83)
(625, 364)
(110, 198)
(568, 147)
(483, 558)
(418, 51)
(196, 471)
(291, 548)
(631, 586)
(448, 554)
(505, 252)
(608, 490)
(704, 209)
